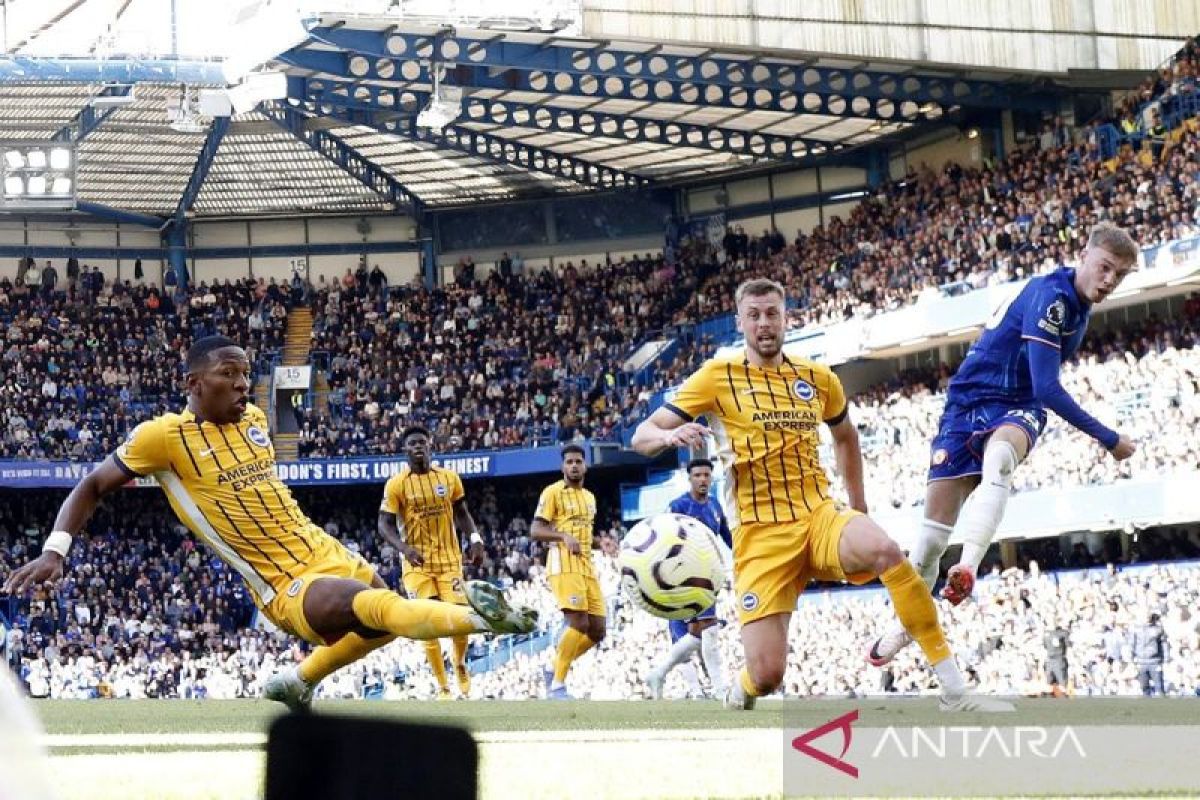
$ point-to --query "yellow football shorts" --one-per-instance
(578, 592)
(772, 562)
(444, 586)
(330, 560)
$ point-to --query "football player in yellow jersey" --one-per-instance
(217, 466)
(565, 515)
(764, 409)
(423, 509)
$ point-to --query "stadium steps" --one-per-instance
(262, 392)
(320, 393)
(287, 446)
(298, 338)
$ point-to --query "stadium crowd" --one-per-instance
(145, 612)
(85, 361)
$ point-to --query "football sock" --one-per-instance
(746, 684)
(691, 678)
(916, 610)
(437, 663)
(950, 678)
(680, 652)
(328, 659)
(571, 646)
(710, 647)
(384, 610)
(982, 515)
(926, 554)
(460, 664)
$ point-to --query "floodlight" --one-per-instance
(37, 159)
(14, 159)
(61, 186)
(37, 175)
(37, 184)
(60, 158)
(14, 185)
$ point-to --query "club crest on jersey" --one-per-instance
(256, 435)
(295, 587)
(750, 600)
(439, 490)
(939, 456)
(803, 389)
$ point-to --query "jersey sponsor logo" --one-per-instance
(440, 490)
(295, 587)
(939, 457)
(256, 435)
(803, 389)
(749, 601)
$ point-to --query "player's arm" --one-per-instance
(674, 425)
(543, 530)
(74, 513)
(1042, 330)
(465, 523)
(848, 453)
(391, 528)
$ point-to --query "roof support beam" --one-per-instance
(204, 162)
(88, 118)
(357, 67)
(23, 69)
(353, 162)
(489, 147)
(760, 81)
(329, 94)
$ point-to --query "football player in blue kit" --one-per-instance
(701, 631)
(996, 409)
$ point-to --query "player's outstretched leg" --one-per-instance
(865, 548)
(1004, 451)
(926, 556)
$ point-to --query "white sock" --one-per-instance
(710, 649)
(556, 685)
(951, 680)
(691, 678)
(926, 553)
(680, 652)
(982, 516)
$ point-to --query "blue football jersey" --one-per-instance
(1046, 312)
(709, 512)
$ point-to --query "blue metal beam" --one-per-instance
(354, 163)
(26, 69)
(117, 215)
(331, 94)
(357, 67)
(220, 126)
(492, 148)
(88, 118)
(746, 83)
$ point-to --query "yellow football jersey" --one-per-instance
(570, 510)
(221, 482)
(765, 421)
(425, 504)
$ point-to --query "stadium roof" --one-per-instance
(541, 114)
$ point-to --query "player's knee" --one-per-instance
(887, 555)
(766, 671)
(999, 462)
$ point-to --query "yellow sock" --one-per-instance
(747, 683)
(915, 608)
(460, 665)
(433, 651)
(572, 645)
(326, 660)
(384, 610)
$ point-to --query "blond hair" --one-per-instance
(1114, 239)
(757, 287)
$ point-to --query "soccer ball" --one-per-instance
(671, 566)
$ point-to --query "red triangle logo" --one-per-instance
(801, 743)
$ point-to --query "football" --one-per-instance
(672, 566)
